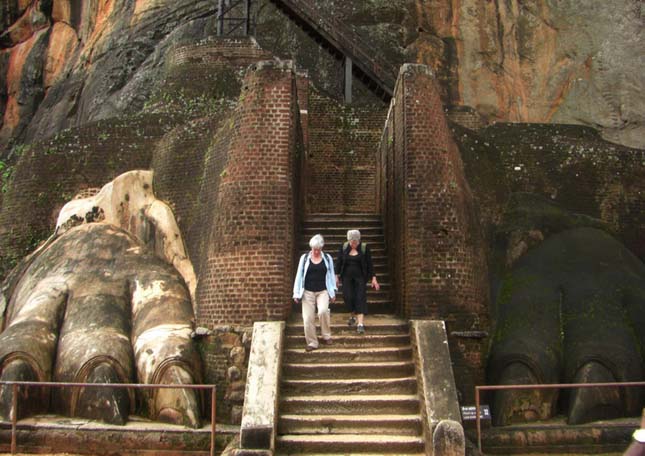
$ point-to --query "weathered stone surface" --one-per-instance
(88, 308)
(538, 61)
(571, 310)
(259, 420)
(448, 439)
(129, 202)
(437, 382)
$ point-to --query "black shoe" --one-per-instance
(351, 321)
(360, 329)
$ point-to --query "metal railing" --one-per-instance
(15, 389)
(348, 39)
(225, 7)
(544, 386)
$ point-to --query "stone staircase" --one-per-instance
(333, 227)
(358, 395)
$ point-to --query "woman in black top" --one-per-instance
(353, 269)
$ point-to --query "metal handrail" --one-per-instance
(350, 39)
(543, 386)
(15, 385)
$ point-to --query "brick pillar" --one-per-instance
(302, 83)
(441, 254)
(247, 275)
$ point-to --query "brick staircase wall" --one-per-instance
(246, 268)
(430, 215)
(340, 168)
(51, 172)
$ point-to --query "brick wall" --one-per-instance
(246, 265)
(439, 261)
(570, 165)
(466, 117)
(230, 175)
(51, 172)
(213, 67)
(342, 158)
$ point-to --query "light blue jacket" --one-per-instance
(303, 266)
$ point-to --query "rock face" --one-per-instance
(76, 62)
(66, 63)
(540, 61)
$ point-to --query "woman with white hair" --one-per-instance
(315, 285)
(354, 267)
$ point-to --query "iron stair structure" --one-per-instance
(359, 58)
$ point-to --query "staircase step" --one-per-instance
(350, 454)
(343, 328)
(343, 354)
(340, 229)
(370, 386)
(373, 296)
(350, 404)
(386, 369)
(338, 238)
(347, 219)
(360, 443)
(355, 340)
(342, 424)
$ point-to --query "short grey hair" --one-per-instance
(317, 242)
(353, 235)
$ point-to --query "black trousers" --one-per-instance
(354, 294)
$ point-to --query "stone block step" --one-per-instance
(378, 255)
(388, 369)
(350, 404)
(379, 307)
(351, 454)
(334, 353)
(371, 327)
(361, 443)
(386, 285)
(349, 219)
(354, 340)
(378, 252)
(373, 296)
(340, 228)
(342, 424)
(338, 238)
(401, 385)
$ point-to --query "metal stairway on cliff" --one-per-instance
(360, 59)
(340, 40)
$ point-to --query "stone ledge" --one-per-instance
(259, 418)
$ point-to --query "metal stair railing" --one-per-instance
(344, 41)
(225, 7)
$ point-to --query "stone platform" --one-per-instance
(53, 434)
(556, 437)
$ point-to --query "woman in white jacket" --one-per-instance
(315, 285)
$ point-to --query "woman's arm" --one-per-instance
(297, 283)
(370, 269)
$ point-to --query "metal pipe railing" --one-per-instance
(362, 51)
(544, 386)
(15, 387)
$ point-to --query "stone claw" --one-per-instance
(591, 404)
(19, 370)
(111, 405)
(517, 406)
(177, 405)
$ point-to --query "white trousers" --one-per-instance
(311, 300)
